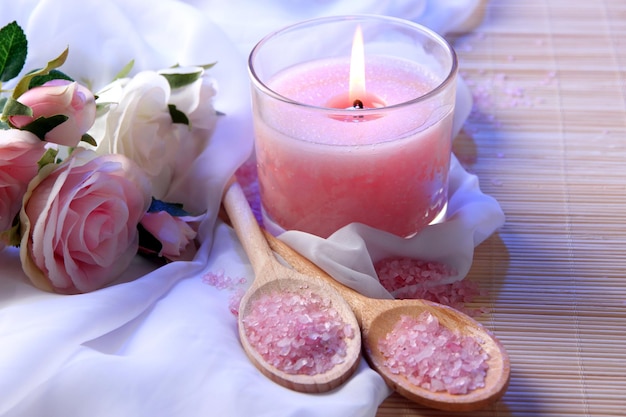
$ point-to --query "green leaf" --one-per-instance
(102, 108)
(49, 157)
(178, 80)
(3, 124)
(177, 115)
(12, 107)
(12, 236)
(205, 66)
(173, 209)
(22, 85)
(39, 80)
(125, 71)
(209, 66)
(87, 138)
(42, 125)
(13, 50)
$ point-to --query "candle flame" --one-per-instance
(357, 67)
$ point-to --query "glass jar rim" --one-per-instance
(447, 80)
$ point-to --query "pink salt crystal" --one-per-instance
(412, 278)
(298, 333)
(433, 357)
(398, 272)
(221, 281)
(235, 299)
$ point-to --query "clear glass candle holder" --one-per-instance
(380, 155)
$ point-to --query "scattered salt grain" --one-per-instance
(221, 281)
(235, 300)
(433, 357)
(549, 78)
(298, 333)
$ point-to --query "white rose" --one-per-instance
(196, 101)
(109, 96)
(140, 127)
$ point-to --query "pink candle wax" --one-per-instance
(321, 169)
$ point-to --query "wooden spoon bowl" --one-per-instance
(317, 383)
(496, 380)
(273, 277)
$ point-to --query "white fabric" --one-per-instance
(246, 22)
(161, 342)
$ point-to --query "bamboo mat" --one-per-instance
(547, 139)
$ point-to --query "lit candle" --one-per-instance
(325, 162)
(357, 96)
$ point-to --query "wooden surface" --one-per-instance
(548, 140)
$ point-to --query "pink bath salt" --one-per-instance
(400, 272)
(235, 300)
(298, 333)
(407, 278)
(221, 281)
(433, 357)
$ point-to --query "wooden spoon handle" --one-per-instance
(247, 229)
(303, 265)
(299, 262)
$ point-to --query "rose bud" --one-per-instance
(60, 97)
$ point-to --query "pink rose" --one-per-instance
(19, 153)
(173, 232)
(60, 97)
(80, 221)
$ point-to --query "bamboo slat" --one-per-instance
(547, 138)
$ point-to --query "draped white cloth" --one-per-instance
(162, 342)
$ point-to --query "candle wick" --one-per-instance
(358, 104)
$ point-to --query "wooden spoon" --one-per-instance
(272, 276)
(377, 317)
